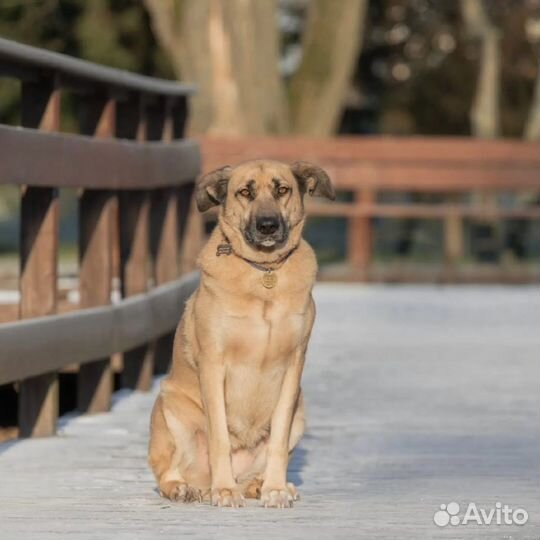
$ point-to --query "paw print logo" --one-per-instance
(448, 513)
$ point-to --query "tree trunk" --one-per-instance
(532, 128)
(485, 117)
(331, 44)
(230, 49)
(486, 235)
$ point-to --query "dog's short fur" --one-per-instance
(231, 410)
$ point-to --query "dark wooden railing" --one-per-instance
(370, 167)
(134, 172)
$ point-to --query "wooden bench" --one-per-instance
(369, 167)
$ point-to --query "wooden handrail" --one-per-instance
(32, 346)
(30, 63)
(31, 157)
(138, 234)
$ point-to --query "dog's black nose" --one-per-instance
(267, 224)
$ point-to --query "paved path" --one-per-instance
(417, 396)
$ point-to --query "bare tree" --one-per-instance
(485, 115)
(532, 127)
(231, 50)
(331, 45)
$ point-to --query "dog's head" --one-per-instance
(262, 201)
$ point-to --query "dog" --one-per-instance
(231, 410)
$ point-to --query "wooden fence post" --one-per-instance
(95, 379)
(190, 222)
(134, 217)
(164, 227)
(134, 228)
(192, 238)
(453, 242)
(164, 206)
(359, 240)
(38, 396)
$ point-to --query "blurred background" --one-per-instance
(426, 114)
(315, 68)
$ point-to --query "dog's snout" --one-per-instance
(267, 224)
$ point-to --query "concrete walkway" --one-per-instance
(416, 397)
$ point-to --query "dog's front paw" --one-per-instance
(181, 492)
(278, 497)
(230, 497)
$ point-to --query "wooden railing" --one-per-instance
(134, 171)
(369, 167)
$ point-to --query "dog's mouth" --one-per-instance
(264, 240)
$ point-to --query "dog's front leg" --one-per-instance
(274, 491)
(225, 491)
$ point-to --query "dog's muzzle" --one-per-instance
(267, 231)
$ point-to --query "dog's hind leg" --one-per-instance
(170, 454)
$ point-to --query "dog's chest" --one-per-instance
(258, 348)
(263, 333)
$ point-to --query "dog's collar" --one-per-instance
(263, 268)
(269, 279)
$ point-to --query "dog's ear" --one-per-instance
(211, 188)
(313, 180)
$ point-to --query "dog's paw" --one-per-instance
(293, 491)
(181, 492)
(279, 497)
(229, 497)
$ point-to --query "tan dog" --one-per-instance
(231, 409)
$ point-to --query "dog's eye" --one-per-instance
(244, 192)
(282, 190)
